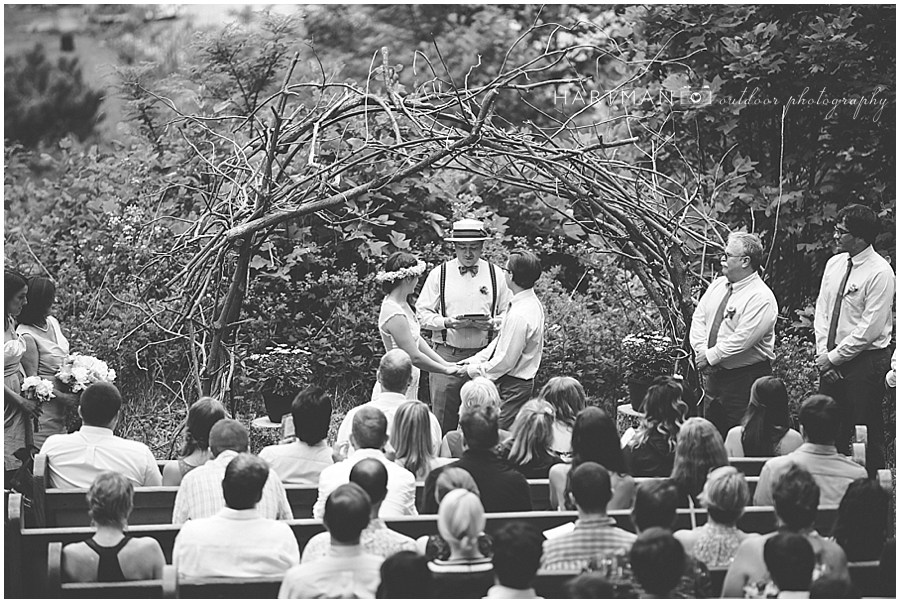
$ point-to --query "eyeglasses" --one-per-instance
(505, 269)
(727, 255)
(841, 230)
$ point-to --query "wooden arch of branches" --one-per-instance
(265, 169)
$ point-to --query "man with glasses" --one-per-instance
(462, 303)
(853, 330)
(733, 331)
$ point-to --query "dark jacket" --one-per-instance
(653, 458)
(502, 488)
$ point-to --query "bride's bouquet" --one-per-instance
(79, 371)
(38, 389)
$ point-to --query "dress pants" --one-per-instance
(728, 393)
(445, 399)
(514, 393)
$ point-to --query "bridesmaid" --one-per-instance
(17, 410)
(46, 351)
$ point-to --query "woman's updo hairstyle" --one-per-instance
(397, 261)
(110, 499)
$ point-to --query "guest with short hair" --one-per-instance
(480, 391)
(237, 542)
(765, 429)
(502, 488)
(832, 588)
(567, 397)
(110, 555)
(467, 574)
(413, 440)
(790, 560)
(590, 585)
(75, 459)
(347, 572)
(377, 538)
(833, 472)
(405, 575)
(202, 415)
(862, 521)
(517, 557)
(434, 546)
(699, 450)
(200, 494)
(303, 460)
(651, 451)
(657, 560)
(528, 451)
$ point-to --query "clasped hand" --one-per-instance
(828, 372)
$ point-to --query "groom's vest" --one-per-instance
(443, 300)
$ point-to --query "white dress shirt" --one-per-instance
(866, 320)
(345, 573)
(297, 462)
(401, 486)
(747, 333)
(200, 494)
(235, 544)
(517, 350)
(75, 459)
(388, 403)
(463, 294)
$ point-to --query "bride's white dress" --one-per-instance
(390, 309)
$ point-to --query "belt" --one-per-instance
(456, 349)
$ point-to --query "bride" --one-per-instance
(397, 321)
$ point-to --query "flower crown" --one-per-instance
(401, 274)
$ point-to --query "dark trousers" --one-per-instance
(859, 397)
(514, 393)
(445, 399)
(728, 393)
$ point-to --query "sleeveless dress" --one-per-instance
(16, 424)
(390, 309)
(717, 544)
(108, 567)
(53, 348)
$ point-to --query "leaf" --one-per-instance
(399, 240)
(259, 262)
(220, 107)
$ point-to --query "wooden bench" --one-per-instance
(863, 574)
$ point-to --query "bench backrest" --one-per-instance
(134, 589)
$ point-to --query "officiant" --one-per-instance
(462, 303)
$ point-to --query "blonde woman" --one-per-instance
(411, 440)
(699, 450)
(567, 397)
(467, 573)
(480, 391)
(450, 479)
(528, 451)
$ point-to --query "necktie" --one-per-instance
(836, 310)
(464, 269)
(717, 321)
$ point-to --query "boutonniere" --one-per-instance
(483, 291)
(853, 288)
(730, 312)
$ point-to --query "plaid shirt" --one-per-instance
(592, 537)
(376, 539)
(200, 494)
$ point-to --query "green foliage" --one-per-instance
(43, 102)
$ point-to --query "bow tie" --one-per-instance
(464, 269)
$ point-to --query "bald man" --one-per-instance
(200, 494)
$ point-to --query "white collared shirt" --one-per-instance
(388, 403)
(346, 572)
(200, 494)
(297, 462)
(401, 486)
(498, 591)
(747, 332)
(235, 544)
(865, 319)
(75, 459)
(517, 350)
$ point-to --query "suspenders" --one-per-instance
(443, 299)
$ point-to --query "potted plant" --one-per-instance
(645, 357)
(278, 373)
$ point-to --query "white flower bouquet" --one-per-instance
(79, 371)
(41, 390)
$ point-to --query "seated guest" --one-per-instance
(790, 561)
(819, 424)
(347, 572)
(594, 439)
(301, 461)
(435, 547)
(109, 555)
(887, 570)
(237, 542)
(796, 497)
(480, 391)
(368, 438)
(590, 585)
(657, 561)
(765, 429)
(566, 395)
(377, 538)
(412, 440)
(75, 459)
(595, 535)
(502, 488)
(862, 521)
(699, 450)
(405, 575)
(832, 588)
(394, 376)
(467, 574)
(651, 451)
(200, 494)
(725, 494)
(528, 450)
(202, 415)
(517, 557)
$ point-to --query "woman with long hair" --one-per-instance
(651, 451)
(202, 415)
(397, 321)
(861, 527)
(595, 439)
(411, 440)
(765, 429)
(567, 397)
(467, 573)
(528, 451)
(698, 451)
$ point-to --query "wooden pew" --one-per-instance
(749, 465)
(222, 588)
(135, 589)
(863, 574)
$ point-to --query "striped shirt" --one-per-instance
(593, 537)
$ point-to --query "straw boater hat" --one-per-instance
(467, 230)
